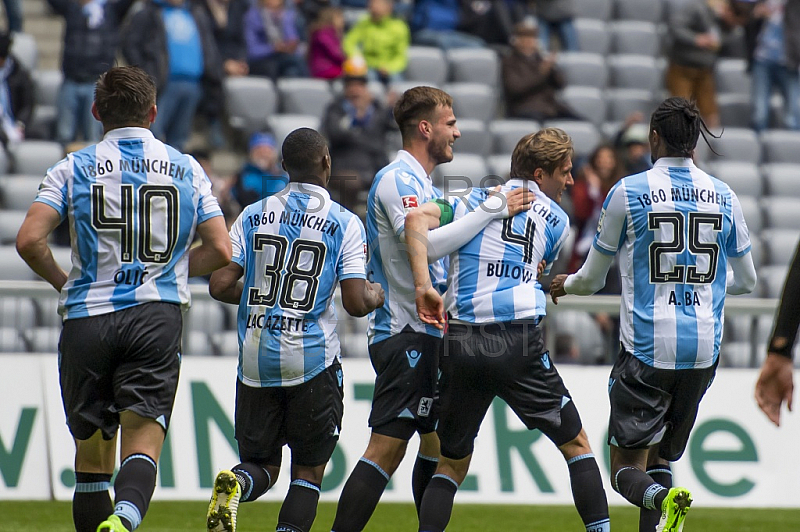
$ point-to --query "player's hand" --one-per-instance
(510, 204)
(774, 386)
(540, 268)
(430, 307)
(375, 290)
(557, 287)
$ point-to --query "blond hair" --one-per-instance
(416, 104)
(545, 149)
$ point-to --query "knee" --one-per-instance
(578, 446)
(387, 456)
(454, 469)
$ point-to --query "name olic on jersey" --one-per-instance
(137, 166)
(276, 323)
(296, 219)
(683, 194)
(512, 271)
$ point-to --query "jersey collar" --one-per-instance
(309, 189)
(673, 162)
(410, 160)
(518, 182)
(129, 132)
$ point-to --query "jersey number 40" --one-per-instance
(681, 239)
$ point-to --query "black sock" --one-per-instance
(588, 493)
(91, 503)
(253, 479)
(648, 519)
(424, 468)
(360, 496)
(437, 504)
(639, 489)
(133, 489)
(299, 507)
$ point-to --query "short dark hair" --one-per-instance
(678, 122)
(124, 95)
(545, 149)
(418, 103)
(302, 151)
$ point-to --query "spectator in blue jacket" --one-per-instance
(434, 23)
(261, 176)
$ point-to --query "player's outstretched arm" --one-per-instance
(224, 284)
(775, 386)
(214, 252)
(360, 297)
(41, 220)
(429, 303)
(589, 279)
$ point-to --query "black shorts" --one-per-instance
(124, 360)
(651, 406)
(307, 417)
(407, 370)
(506, 360)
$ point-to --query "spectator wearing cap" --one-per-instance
(382, 40)
(16, 94)
(356, 125)
(261, 176)
(633, 141)
(531, 80)
(270, 29)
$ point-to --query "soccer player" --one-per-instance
(292, 248)
(403, 350)
(494, 346)
(676, 229)
(133, 205)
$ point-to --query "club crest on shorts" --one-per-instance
(425, 405)
(413, 357)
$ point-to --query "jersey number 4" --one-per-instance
(526, 240)
(298, 289)
(681, 239)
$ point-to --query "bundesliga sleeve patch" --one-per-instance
(409, 202)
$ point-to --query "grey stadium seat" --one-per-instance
(781, 213)
(206, 316)
(730, 77)
(499, 165)
(771, 278)
(474, 65)
(18, 312)
(18, 191)
(63, 257)
(735, 354)
(584, 330)
(752, 214)
(12, 341)
(647, 10)
(304, 96)
(781, 146)
(587, 102)
(736, 144)
(780, 245)
(507, 133)
(585, 135)
(464, 171)
(593, 35)
(401, 86)
(621, 103)
(36, 156)
(12, 267)
(10, 222)
(782, 179)
(474, 138)
(634, 37)
(47, 84)
(282, 125)
(249, 101)
(42, 339)
(227, 343)
(631, 71)
(426, 64)
(756, 247)
(25, 50)
(472, 100)
(198, 343)
(586, 69)
(594, 9)
(734, 110)
(743, 178)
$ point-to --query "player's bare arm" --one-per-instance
(225, 285)
(557, 287)
(32, 246)
(360, 297)
(214, 252)
(430, 306)
(775, 386)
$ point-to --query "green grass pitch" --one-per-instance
(183, 516)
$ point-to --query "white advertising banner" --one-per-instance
(735, 457)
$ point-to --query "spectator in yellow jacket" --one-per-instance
(382, 40)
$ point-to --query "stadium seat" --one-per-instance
(743, 178)
(474, 65)
(206, 316)
(47, 84)
(593, 35)
(474, 138)
(499, 165)
(426, 64)
(5, 165)
(780, 245)
(594, 9)
(304, 96)
(249, 100)
(644, 10)
(634, 37)
(752, 215)
(462, 172)
(42, 339)
(730, 76)
(781, 146)
(63, 257)
(756, 247)
(35, 156)
(735, 354)
(24, 48)
(586, 69)
(621, 103)
(227, 343)
(10, 222)
(587, 102)
(782, 179)
(507, 133)
(781, 212)
(584, 330)
(631, 71)
(736, 144)
(585, 135)
(198, 343)
(401, 86)
(12, 341)
(18, 312)
(734, 109)
(771, 278)
(18, 191)
(282, 125)
(472, 100)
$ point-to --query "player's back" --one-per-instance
(493, 278)
(680, 226)
(294, 247)
(133, 204)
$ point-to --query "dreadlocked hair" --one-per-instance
(678, 122)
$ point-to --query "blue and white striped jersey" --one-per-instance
(674, 227)
(493, 278)
(133, 204)
(294, 248)
(397, 188)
